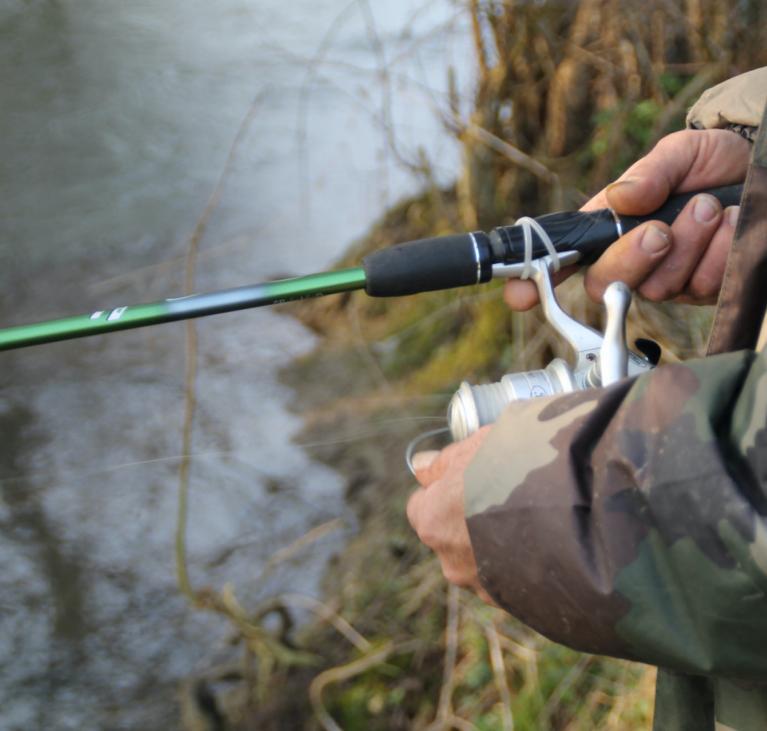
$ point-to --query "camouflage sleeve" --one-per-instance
(629, 521)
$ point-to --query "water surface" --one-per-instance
(116, 120)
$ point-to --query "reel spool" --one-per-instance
(474, 406)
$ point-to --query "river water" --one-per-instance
(116, 120)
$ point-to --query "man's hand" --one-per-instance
(686, 261)
(436, 509)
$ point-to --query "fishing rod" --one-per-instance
(425, 265)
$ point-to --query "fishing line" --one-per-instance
(54, 479)
(416, 441)
(528, 226)
(365, 435)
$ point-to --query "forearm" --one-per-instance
(627, 521)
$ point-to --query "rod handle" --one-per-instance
(727, 195)
(591, 232)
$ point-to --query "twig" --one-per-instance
(386, 99)
(512, 153)
(345, 672)
(283, 554)
(444, 708)
(190, 372)
(453, 721)
(302, 125)
(362, 346)
(479, 41)
(691, 90)
(424, 588)
(330, 615)
(563, 687)
(502, 147)
(499, 671)
(162, 267)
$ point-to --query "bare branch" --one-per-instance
(445, 706)
(499, 672)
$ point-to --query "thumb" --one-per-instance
(647, 183)
(683, 161)
(422, 461)
(636, 195)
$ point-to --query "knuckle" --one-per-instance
(671, 142)
(656, 291)
(594, 284)
(702, 286)
(705, 144)
(682, 136)
(429, 532)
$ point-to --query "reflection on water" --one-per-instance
(115, 121)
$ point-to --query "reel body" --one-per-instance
(601, 358)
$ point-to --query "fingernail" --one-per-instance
(732, 215)
(623, 184)
(421, 460)
(654, 240)
(705, 209)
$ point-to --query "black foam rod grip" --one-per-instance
(591, 232)
(728, 195)
(428, 264)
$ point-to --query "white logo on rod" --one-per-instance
(116, 314)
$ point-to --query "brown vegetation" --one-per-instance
(567, 94)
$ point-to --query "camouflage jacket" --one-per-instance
(632, 520)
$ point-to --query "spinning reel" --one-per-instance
(601, 359)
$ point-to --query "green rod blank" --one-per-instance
(182, 308)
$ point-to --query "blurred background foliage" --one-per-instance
(567, 95)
